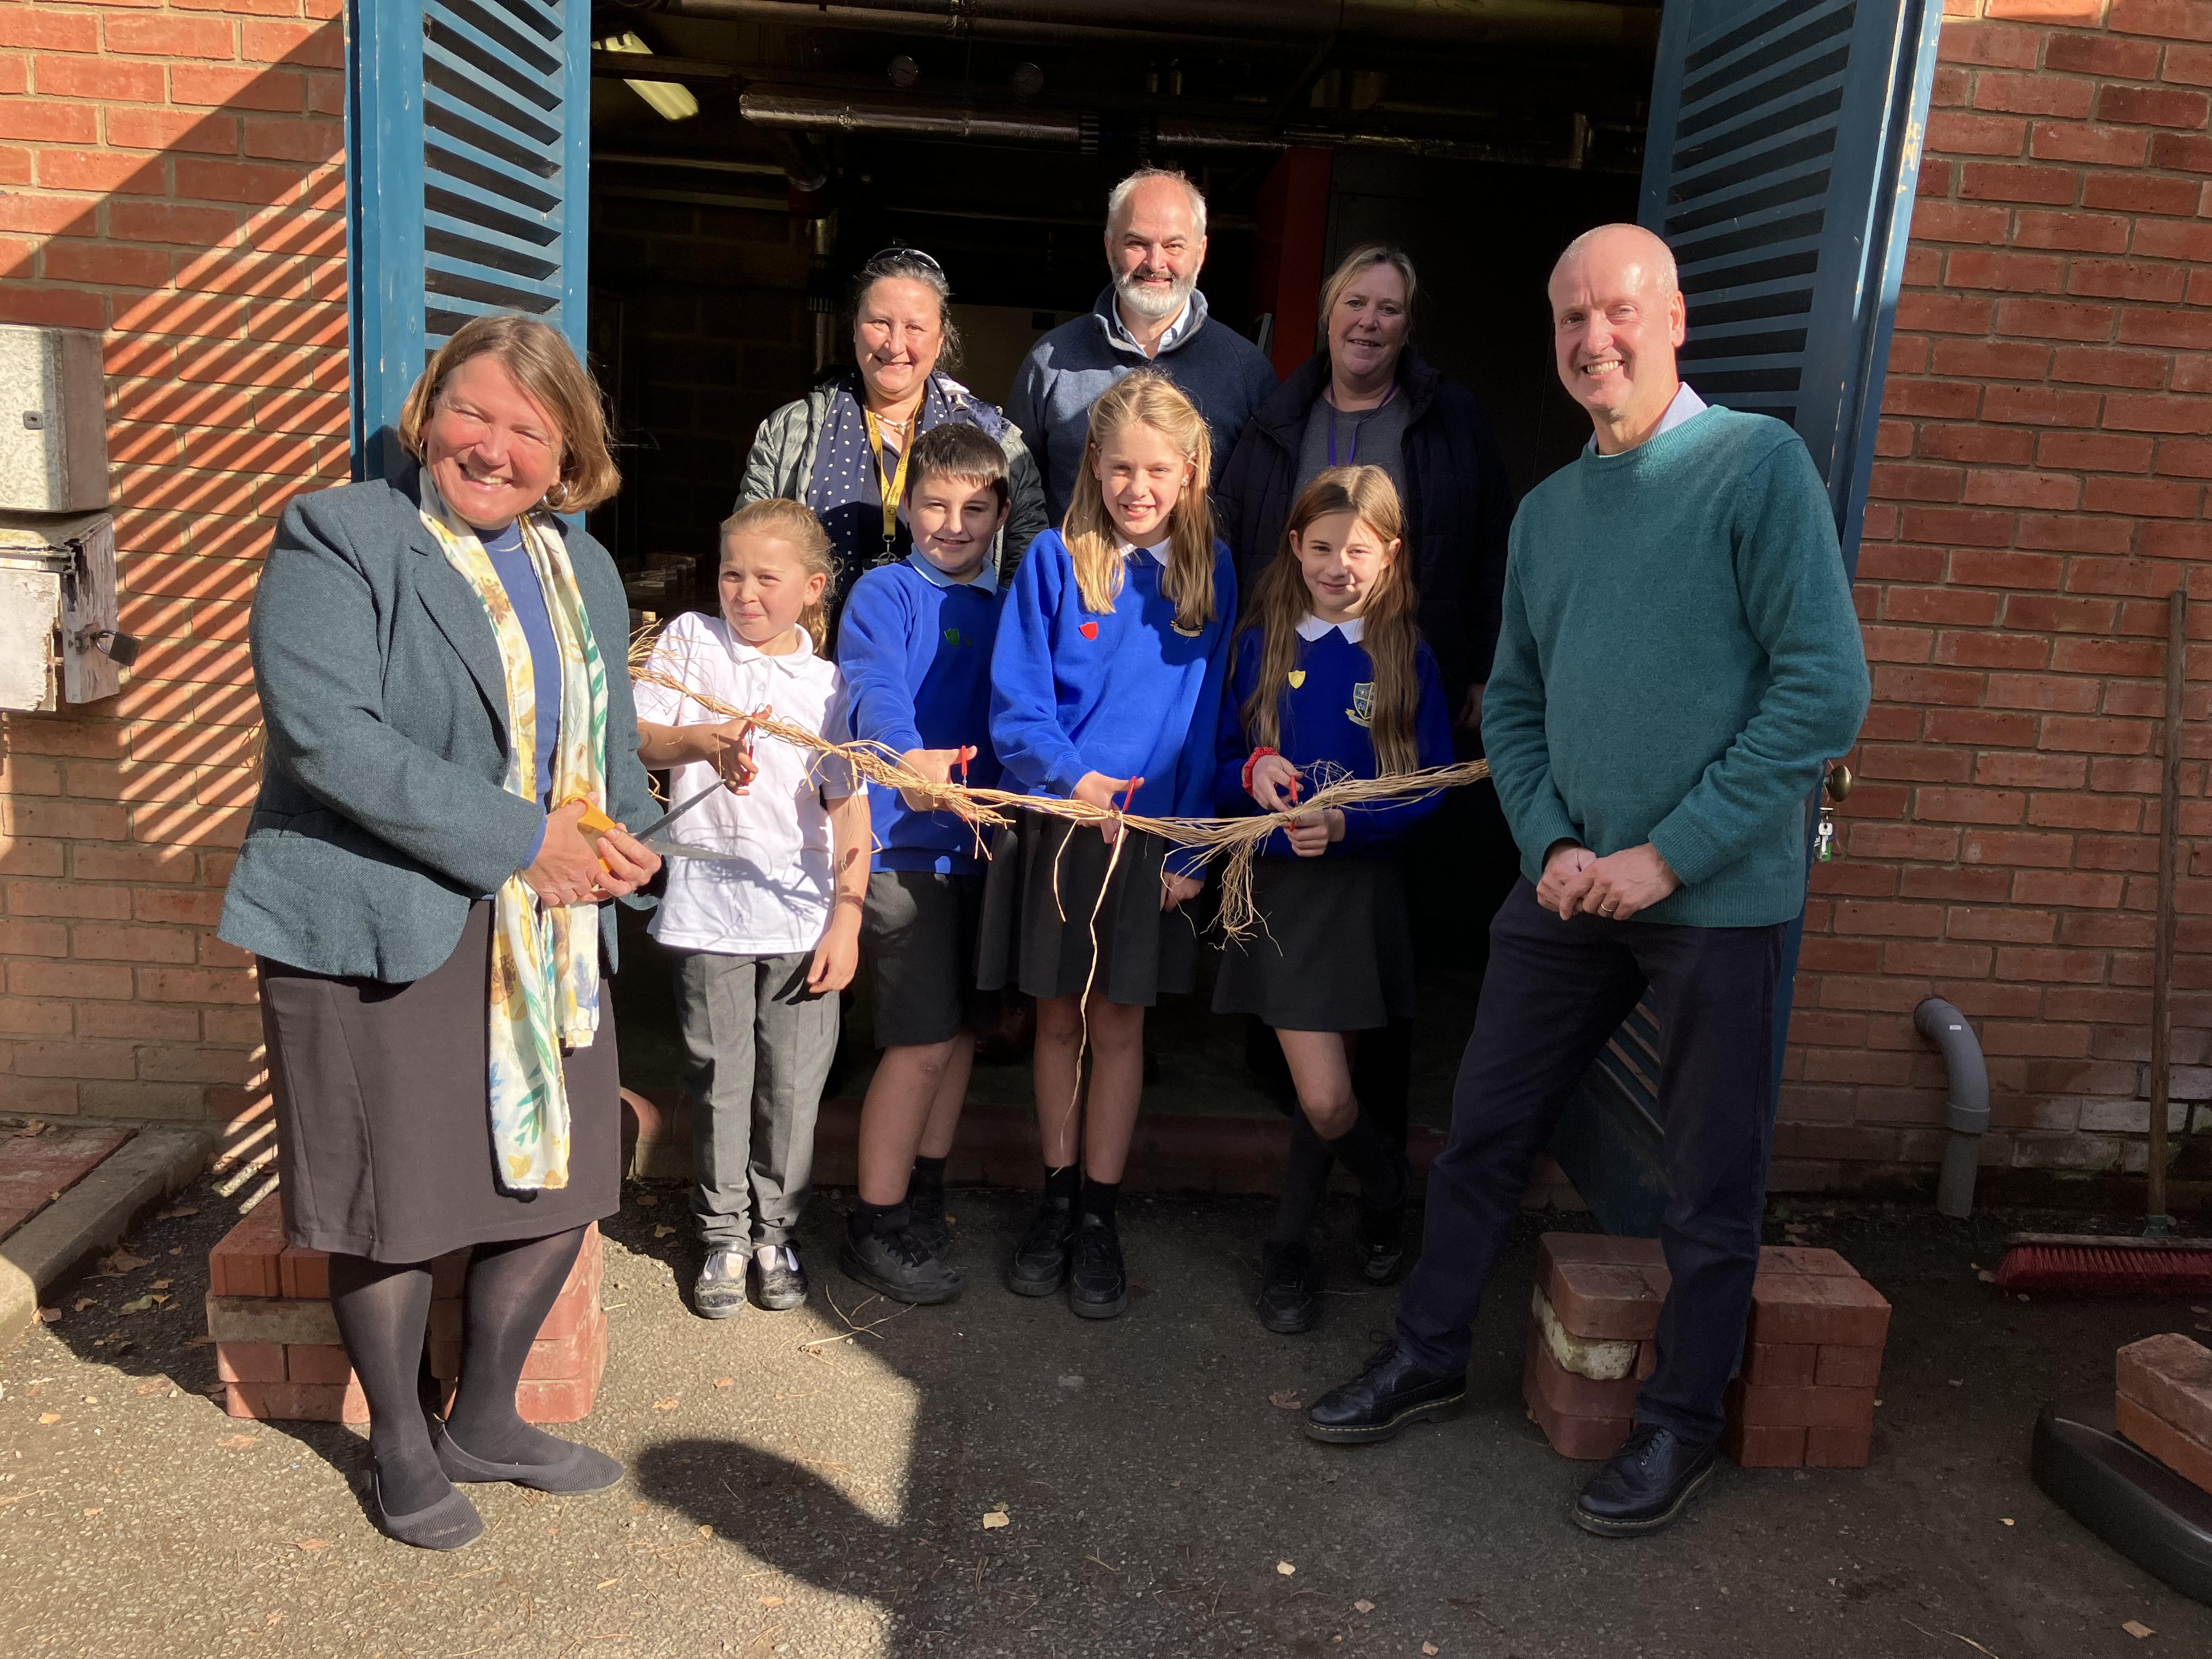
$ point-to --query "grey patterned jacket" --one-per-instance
(782, 461)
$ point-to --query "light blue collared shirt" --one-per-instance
(1687, 404)
(1186, 323)
(986, 579)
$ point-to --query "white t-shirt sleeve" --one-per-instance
(837, 777)
(673, 655)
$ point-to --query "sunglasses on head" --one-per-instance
(899, 256)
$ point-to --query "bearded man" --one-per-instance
(1150, 314)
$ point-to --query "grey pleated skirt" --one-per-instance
(383, 1122)
(1336, 953)
(1045, 878)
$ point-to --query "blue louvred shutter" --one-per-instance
(469, 142)
(1779, 164)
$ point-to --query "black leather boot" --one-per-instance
(1650, 1481)
(1391, 1392)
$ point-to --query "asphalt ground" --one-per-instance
(821, 1482)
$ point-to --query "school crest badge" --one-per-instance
(952, 637)
(1362, 711)
(1296, 677)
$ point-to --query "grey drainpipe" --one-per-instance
(1966, 1110)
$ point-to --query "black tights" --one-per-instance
(383, 1309)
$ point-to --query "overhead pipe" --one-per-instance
(1578, 25)
(1965, 1107)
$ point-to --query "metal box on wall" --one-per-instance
(58, 641)
(53, 421)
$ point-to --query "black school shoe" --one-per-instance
(925, 1212)
(780, 1282)
(1390, 1393)
(1649, 1482)
(718, 1292)
(1097, 1285)
(896, 1263)
(1039, 1263)
(1290, 1288)
(1382, 1245)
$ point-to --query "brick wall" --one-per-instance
(2045, 443)
(170, 175)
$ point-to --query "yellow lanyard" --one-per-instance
(891, 486)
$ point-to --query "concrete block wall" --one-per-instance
(171, 177)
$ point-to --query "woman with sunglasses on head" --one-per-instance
(842, 449)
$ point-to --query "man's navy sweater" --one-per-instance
(1123, 693)
(1218, 369)
(916, 658)
(1323, 717)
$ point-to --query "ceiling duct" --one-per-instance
(1565, 25)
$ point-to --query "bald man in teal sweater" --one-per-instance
(1679, 658)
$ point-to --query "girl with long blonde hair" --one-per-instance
(1329, 679)
(1106, 687)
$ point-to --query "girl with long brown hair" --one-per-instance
(1105, 686)
(1329, 679)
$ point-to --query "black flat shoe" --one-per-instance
(896, 1263)
(1098, 1284)
(718, 1292)
(1392, 1392)
(1039, 1263)
(1290, 1289)
(451, 1524)
(925, 1214)
(582, 1470)
(780, 1282)
(1382, 1245)
(1650, 1481)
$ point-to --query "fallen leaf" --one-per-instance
(163, 1284)
(771, 1600)
(1287, 1398)
(667, 1405)
(34, 1127)
(274, 1619)
(179, 1213)
(1363, 1605)
(51, 1316)
(664, 1230)
(81, 1304)
(2008, 1521)
(122, 1262)
(145, 1388)
(137, 1305)
(1285, 1568)
(2137, 1628)
(725, 1381)
(706, 1532)
(308, 1545)
(102, 1510)
(201, 1342)
(238, 1440)
(1430, 1648)
(994, 1519)
(1986, 1276)
(47, 1419)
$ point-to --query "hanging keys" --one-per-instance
(1824, 839)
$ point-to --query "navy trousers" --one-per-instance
(1554, 992)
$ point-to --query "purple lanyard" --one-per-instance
(1364, 415)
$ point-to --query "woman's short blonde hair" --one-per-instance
(544, 366)
(1351, 268)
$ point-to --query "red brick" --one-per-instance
(1975, 134)
(2039, 406)
(1957, 221)
(2190, 1459)
(39, 31)
(2153, 106)
(1846, 1447)
(1613, 1302)
(1764, 1448)
(1780, 1363)
(1588, 1439)
(249, 1361)
(1818, 1309)
(2187, 65)
(103, 78)
(305, 1275)
(1847, 1368)
(2055, 320)
(2031, 94)
(280, 91)
(69, 979)
(1566, 1395)
(166, 221)
(1759, 1405)
(297, 1402)
(171, 37)
(244, 1263)
(2099, 55)
(2103, 146)
(172, 130)
(571, 1402)
(1965, 42)
(320, 45)
(1554, 1251)
(2142, 326)
(318, 1362)
(2170, 1376)
(2181, 151)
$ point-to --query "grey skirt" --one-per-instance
(1335, 953)
(383, 1122)
(1045, 878)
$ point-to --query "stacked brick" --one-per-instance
(2040, 490)
(277, 1353)
(170, 179)
(1812, 1356)
(2164, 1403)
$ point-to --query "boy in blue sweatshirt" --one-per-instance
(915, 650)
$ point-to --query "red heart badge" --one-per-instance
(1089, 630)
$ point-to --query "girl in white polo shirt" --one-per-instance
(765, 939)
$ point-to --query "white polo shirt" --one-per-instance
(774, 898)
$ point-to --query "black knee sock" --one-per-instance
(1305, 1173)
(1099, 1198)
(1061, 1185)
(511, 1288)
(383, 1309)
(870, 1219)
(1368, 1153)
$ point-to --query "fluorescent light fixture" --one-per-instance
(669, 102)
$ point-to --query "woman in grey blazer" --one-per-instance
(443, 672)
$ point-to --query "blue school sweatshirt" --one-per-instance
(916, 651)
(1122, 693)
(1679, 655)
(1323, 726)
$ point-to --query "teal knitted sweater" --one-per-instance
(1679, 655)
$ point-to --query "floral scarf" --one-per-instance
(545, 962)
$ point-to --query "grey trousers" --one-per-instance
(757, 1046)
